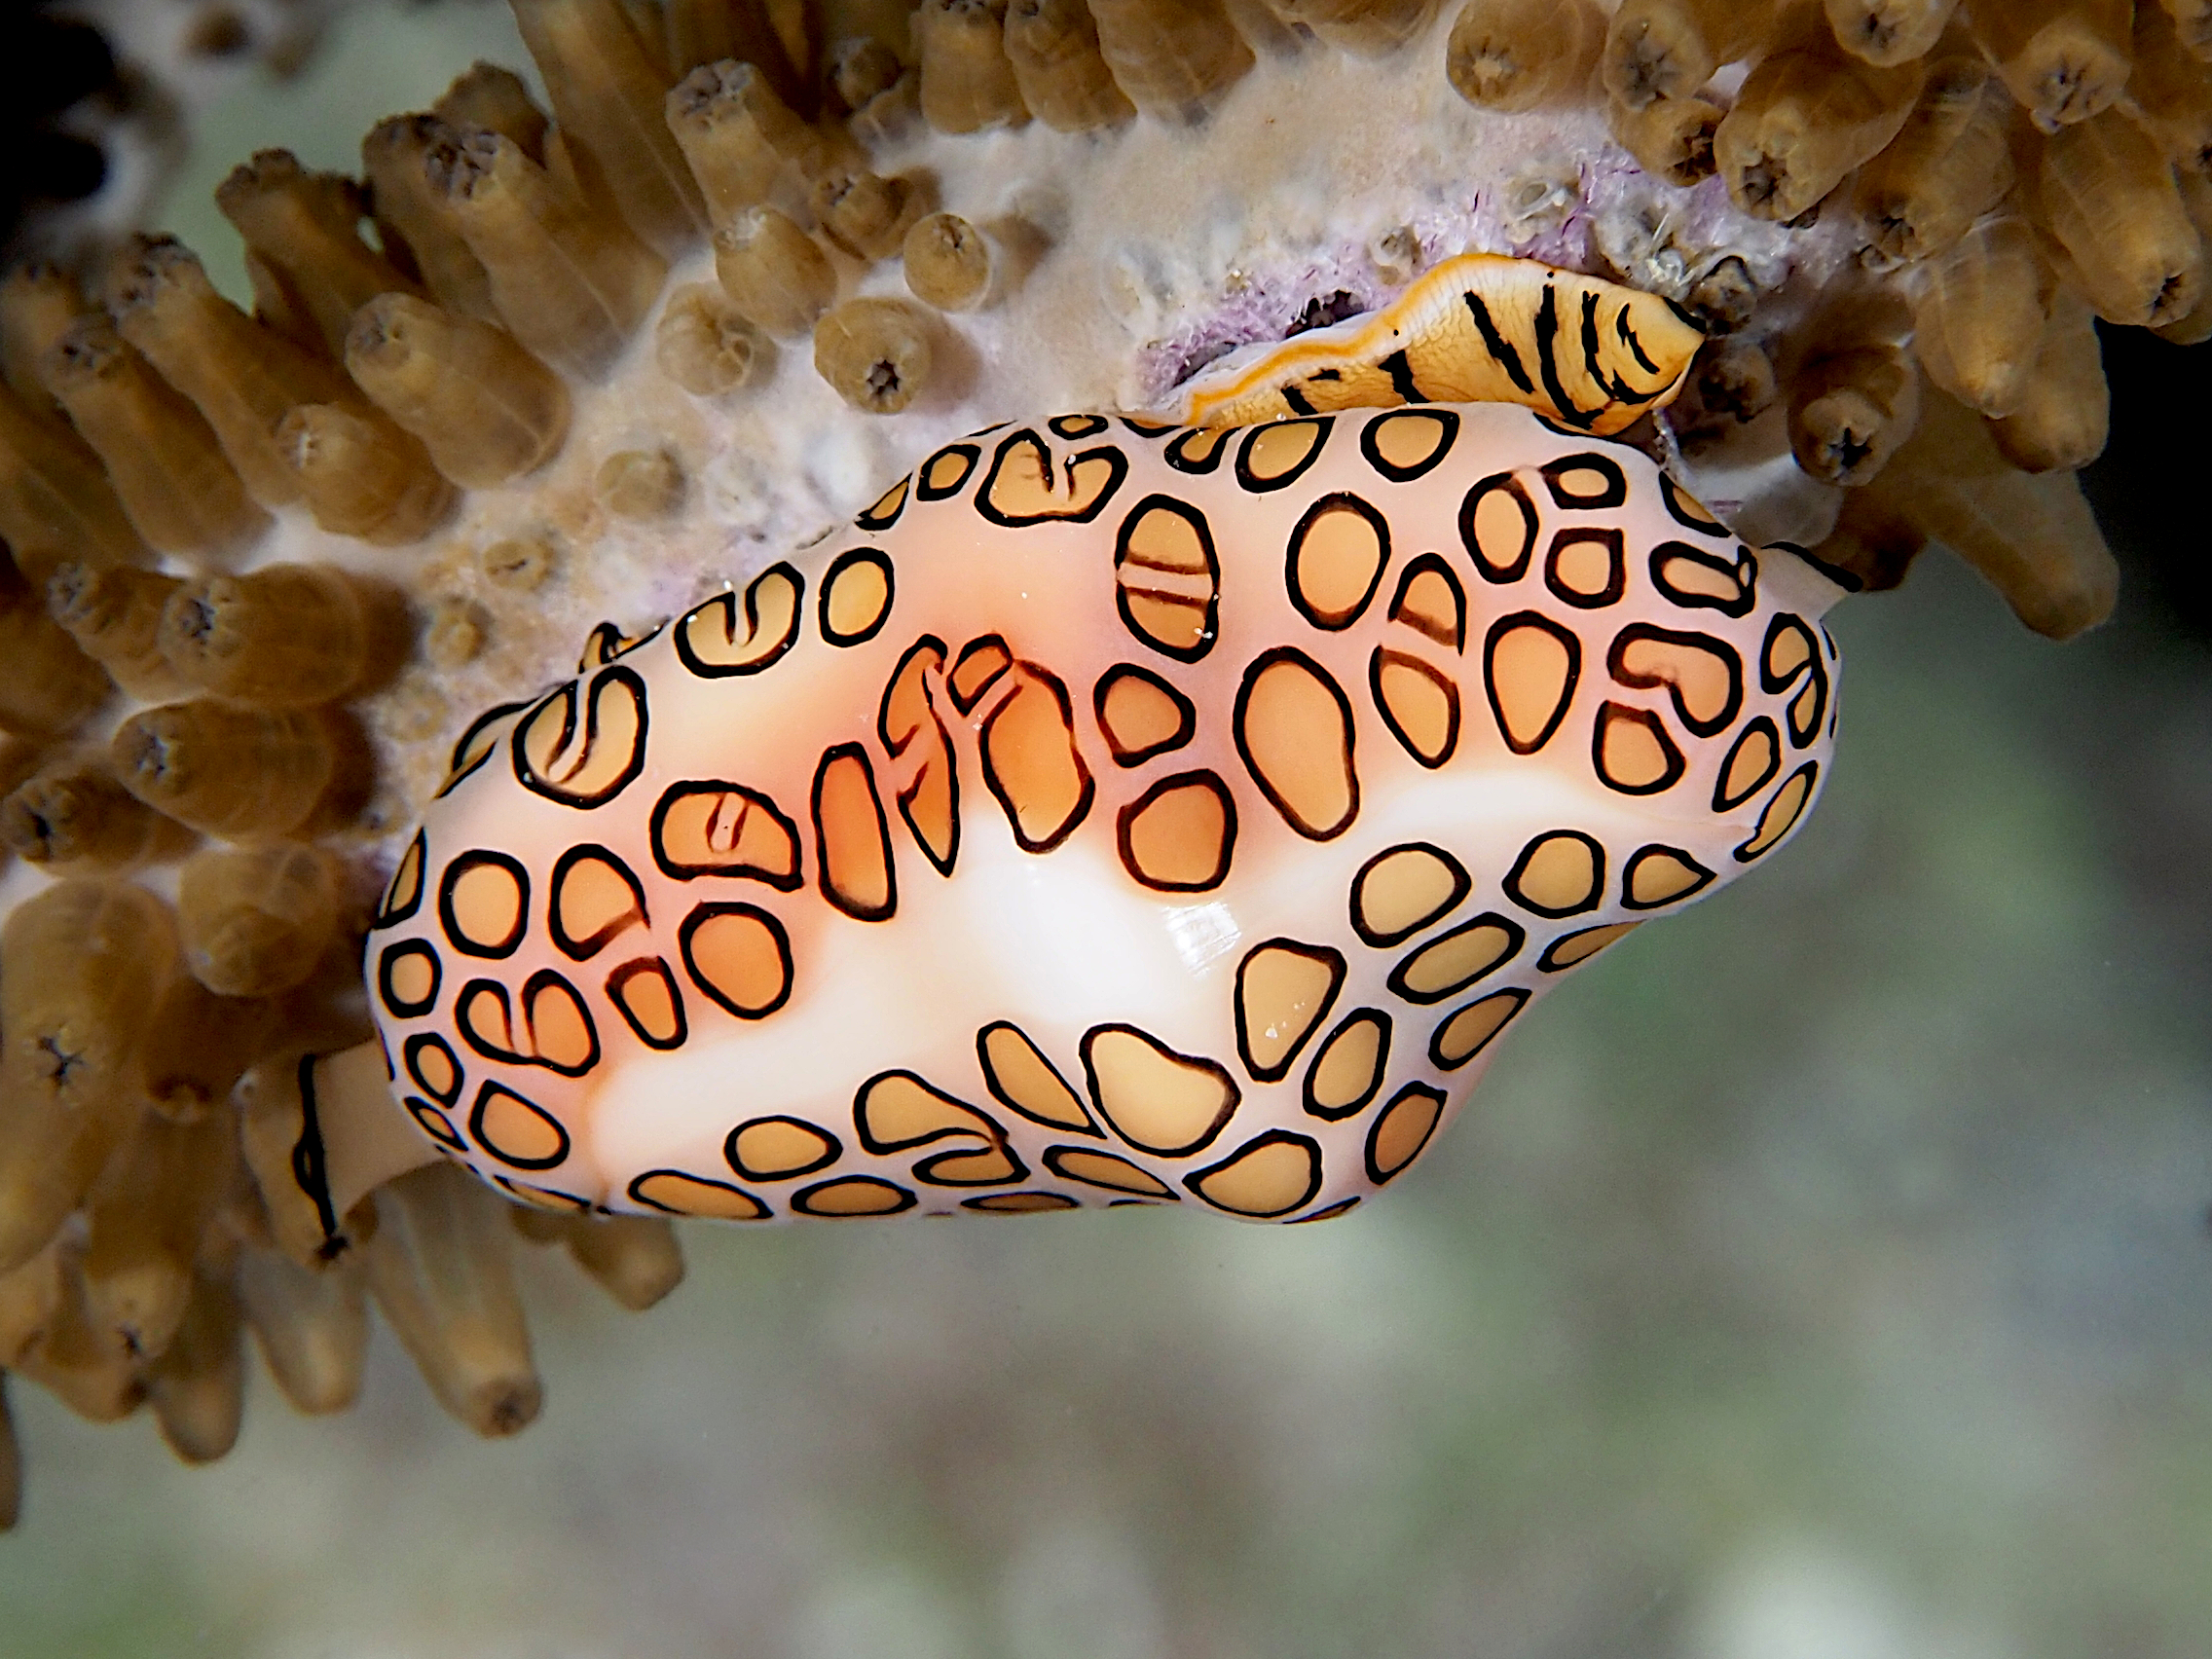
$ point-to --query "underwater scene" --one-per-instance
(635, 627)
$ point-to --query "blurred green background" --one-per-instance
(1825, 1275)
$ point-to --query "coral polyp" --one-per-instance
(1354, 706)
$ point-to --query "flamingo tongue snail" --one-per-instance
(1118, 810)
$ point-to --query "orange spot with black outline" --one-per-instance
(1180, 835)
(1294, 730)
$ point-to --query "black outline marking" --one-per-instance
(690, 657)
(1516, 937)
(822, 875)
(635, 1197)
(310, 1171)
(1384, 656)
(1671, 495)
(477, 858)
(1427, 564)
(1659, 848)
(1800, 734)
(1614, 492)
(1609, 713)
(1148, 429)
(1327, 956)
(1260, 1143)
(1178, 454)
(584, 949)
(526, 773)
(1186, 715)
(1200, 777)
(931, 1170)
(1550, 963)
(834, 1147)
(476, 1127)
(700, 915)
(1512, 883)
(1637, 633)
(1089, 1124)
(971, 455)
(534, 1196)
(605, 643)
(1461, 885)
(1251, 482)
(419, 854)
(802, 1199)
(1195, 1062)
(1210, 629)
(1582, 435)
(1260, 665)
(638, 968)
(1375, 1173)
(1744, 573)
(536, 986)
(399, 1007)
(1056, 1156)
(1076, 427)
(434, 1124)
(690, 788)
(1343, 1207)
(1609, 537)
(1505, 625)
(464, 764)
(829, 585)
(1341, 501)
(1837, 573)
(1118, 463)
(1755, 725)
(1366, 1097)
(870, 517)
(1040, 675)
(989, 1203)
(978, 647)
(984, 1129)
(1810, 771)
(1371, 445)
(1531, 525)
(899, 747)
(412, 1052)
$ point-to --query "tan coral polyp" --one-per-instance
(485, 409)
(571, 282)
(1052, 45)
(741, 140)
(1513, 55)
(85, 958)
(1172, 58)
(283, 636)
(2108, 194)
(303, 225)
(1806, 116)
(163, 457)
(610, 93)
(967, 83)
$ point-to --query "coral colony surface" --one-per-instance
(548, 372)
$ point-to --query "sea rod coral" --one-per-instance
(540, 373)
